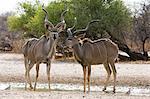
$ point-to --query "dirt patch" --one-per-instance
(128, 74)
(63, 95)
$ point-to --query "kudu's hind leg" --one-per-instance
(48, 73)
(26, 65)
(28, 73)
(37, 75)
(114, 74)
(84, 74)
(89, 75)
(106, 65)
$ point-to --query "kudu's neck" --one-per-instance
(51, 43)
(47, 44)
(78, 52)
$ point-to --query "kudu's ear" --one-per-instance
(48, 26)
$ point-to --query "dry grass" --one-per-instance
(17, 45)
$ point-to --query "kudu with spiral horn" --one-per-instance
(101, 51)
(37, 51)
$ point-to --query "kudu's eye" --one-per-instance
(69, 38)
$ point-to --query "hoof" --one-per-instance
(114, 91)
(84, 92)
(88, 92)
(31, 87)
(34, 89)
(49, 88)
(104, 89)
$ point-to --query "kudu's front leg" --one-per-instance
(84, 74)
(89, 75)
(48, 73)
(37, 75)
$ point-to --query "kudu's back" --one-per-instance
(99, 51)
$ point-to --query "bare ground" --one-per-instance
(128, 74)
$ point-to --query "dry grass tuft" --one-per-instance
(17, 45)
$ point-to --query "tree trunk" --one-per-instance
(133, 55)
(143, 48)
(123, 47)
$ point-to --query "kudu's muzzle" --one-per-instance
(55, 35)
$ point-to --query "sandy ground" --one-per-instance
(128, 74)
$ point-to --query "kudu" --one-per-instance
(42, 50)
(87, 53)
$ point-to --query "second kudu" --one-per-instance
(37, 51)
(87, 53)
